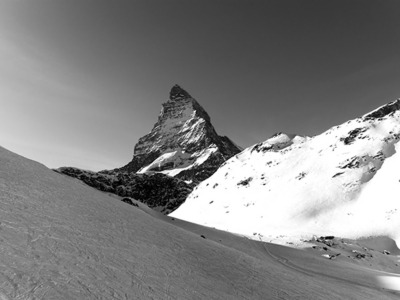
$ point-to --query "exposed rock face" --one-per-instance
(182, 146)
(385, 110)
(183, 142)
(158, 191)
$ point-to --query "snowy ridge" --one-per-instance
(343, 182)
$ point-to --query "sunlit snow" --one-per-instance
(179, 160)
(344, 182)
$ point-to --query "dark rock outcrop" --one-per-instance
(384, 110)
(158, 191)
(178, 93)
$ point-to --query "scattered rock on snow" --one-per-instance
(129, 201)
(331, 256)
(245, 181)
(327, 240)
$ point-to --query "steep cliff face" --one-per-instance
(183, 143)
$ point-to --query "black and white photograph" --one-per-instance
(199, 149)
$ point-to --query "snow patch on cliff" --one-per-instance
(178, 161)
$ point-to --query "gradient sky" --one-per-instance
(82, 80)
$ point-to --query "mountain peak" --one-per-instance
(183, 143)
(180, 151)
(178, 93)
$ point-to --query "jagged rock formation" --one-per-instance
(183, 142)
(343, 182)
(182, 146)
(158, 191)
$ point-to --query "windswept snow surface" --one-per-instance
(344, 182)
(61, 239)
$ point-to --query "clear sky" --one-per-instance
(82, 80)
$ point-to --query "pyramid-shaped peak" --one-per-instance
(178, 93)
(183, 143)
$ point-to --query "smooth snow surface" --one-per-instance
(344, 182)
(61, 239)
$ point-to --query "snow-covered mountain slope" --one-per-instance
(183, 142)
(345, 181)
(61, 239)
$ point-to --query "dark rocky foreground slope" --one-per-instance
(182, 150)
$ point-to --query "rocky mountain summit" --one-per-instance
(183, 143)
(181, 150)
